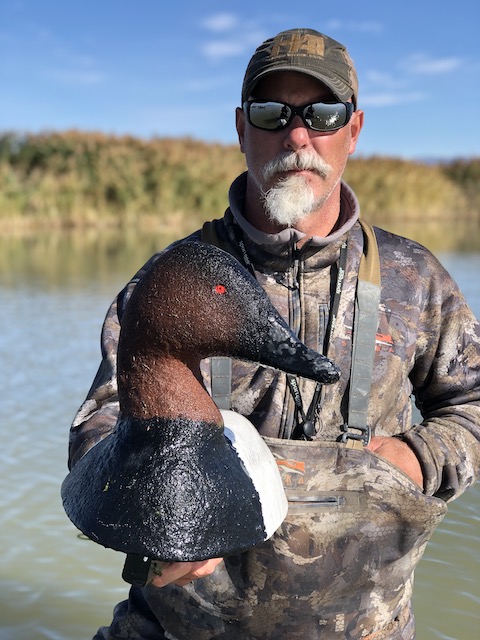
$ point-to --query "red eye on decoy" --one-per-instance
(219, 288)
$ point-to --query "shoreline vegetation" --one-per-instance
(80, 180)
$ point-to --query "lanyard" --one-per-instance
(308, 420)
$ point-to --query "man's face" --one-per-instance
(261, 147)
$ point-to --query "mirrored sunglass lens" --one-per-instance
(325, 117)
(269, 115)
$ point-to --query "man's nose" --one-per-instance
(297, 135)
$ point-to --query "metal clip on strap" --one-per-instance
(356, 439)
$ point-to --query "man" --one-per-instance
(366, 487)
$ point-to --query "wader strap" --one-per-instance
(356, 433)
(369, 269)
(221, 381)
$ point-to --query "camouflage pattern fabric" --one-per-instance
(356, 528)
(340, 566)
(330, 571)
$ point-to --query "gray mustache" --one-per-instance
(290, 161)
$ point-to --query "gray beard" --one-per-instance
(292, 198)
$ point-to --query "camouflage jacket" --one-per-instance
(341, 573)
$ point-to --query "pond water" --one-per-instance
(54, 584)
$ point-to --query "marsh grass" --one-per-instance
(75, 179)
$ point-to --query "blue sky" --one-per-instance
(167, 68)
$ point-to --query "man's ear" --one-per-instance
(240, 124)
(356, 124)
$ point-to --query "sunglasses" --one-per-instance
(319, 116)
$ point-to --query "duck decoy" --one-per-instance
(178, 480)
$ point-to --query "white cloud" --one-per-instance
(385, 80)
(218, 49)
(236, 45)
(388, 99)
(74, 77)
(236, 36)
(221, 22)
(365, 26)
(204, 85)
(420, 63)
(70, 67)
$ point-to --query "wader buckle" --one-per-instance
(364, 436)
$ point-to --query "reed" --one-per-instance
(76, 179)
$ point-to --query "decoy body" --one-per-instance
(173, 482)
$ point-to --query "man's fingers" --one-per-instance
(181, 573)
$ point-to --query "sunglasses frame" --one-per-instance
(299, 111)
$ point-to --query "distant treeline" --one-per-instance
(77, 179)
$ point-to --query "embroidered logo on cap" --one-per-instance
(298, 44)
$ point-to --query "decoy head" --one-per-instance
(198, 301)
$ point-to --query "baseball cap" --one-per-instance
(306, 51)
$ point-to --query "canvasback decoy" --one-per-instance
(172, 481)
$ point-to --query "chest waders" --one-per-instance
(341, 565)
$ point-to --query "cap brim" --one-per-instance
(339, 89)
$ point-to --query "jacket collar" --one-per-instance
(349, 213)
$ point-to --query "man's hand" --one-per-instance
(400, 454)
(181, 573)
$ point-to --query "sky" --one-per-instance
(167, 68)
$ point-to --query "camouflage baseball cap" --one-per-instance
(306, 51)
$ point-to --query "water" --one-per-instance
(55, 585)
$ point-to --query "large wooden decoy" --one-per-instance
(178, 480)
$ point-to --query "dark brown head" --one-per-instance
(197, 301)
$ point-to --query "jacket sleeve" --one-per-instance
(446, 385)
(98, 415)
